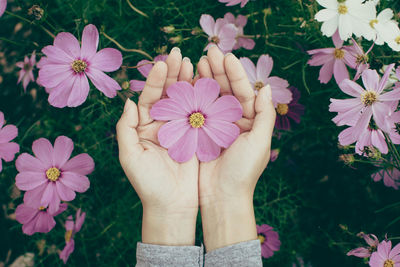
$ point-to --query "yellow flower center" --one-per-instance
(282, 109)
(397, 40)
(68, 235)
(261, 238)
(388, 263)
(196, 120)
(258, 85)
(53, 174)
(215, 39)
(372, 23)
(339, 53)
(42, 208)
(342, 9)
(368, 98)
(79, 66)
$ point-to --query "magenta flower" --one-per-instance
(365, 252)
(7, 149)
(241, 40)
(144, 67)
(71, 228)
(3, 5)
(26, 72)
(390, 176)
(293, 110)
(36, 219)
(333, 60)
(234, 2)
(64, 70)
(269, 240)
(220, 32)
(367, 103)
(50, 177)
(259, 77)
(385, 256)
(199, 121)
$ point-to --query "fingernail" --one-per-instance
(228, 54)
(176, 49)
(203, 57)
(186, 59)
(211, 46)
(127, 104)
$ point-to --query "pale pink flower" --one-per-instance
(26, 72)
(144, 67)
(3, 6)
(36, 219)
(220, 32)
(390, 176)
(71, 228)
(7, 149)
(367, 103)
(50, 177)
(385, 256)
(240, 22)
(199, 121)
(269, 240)
(333, 60)
(64, 70)
(234, 2)
(260, 76)
(365, 252)
(361, 58)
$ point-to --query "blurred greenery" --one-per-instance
(315, 202)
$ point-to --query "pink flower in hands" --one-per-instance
(144, 67)
(385, 256)
(64, 70)
(26, 72)
(50, 177)
(7, 149)
(365, 252)
(333, 60)
(198, 121)
(3, 6)
(71, 228)
(390, 176)
(220, 32)
(37, 219)
(234, 2)
(240, 22)
(260, 76)
(269, 240)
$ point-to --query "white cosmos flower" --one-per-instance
(391, 34)
(349, 16)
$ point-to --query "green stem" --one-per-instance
(393, 149)
(137, 10)
(127, 49)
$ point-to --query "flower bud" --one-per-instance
(36, 11)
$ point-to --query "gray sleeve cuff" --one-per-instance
(244, 254)
(148, 255)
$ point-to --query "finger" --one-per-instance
(186, 72)
(245, 124)
(127, 137)
(174, 61)
(216, 60)
(152, 91)
(195, 79)
(264, 121)
(240, 85)
(204, 68)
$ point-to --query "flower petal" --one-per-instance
(183, 93)
(103, 82)
(33, 197)
(183, 150)
(68, 43)
(3, 6)
(65, 193)
(79, 91)
(136, 85)
(207, 23)
(57, 55)
(340, 71)
(58, 96)
(63, 147)
(75, 181)
(50, 198)
(351, 88)
(250, 69)
(168, 109)
(144, 67)
(226, 108)
(8, 151)
(107, 59)
(51, 75)
(206, 90)
(90, 41)
(82, 164)
(43, 150)
(264, 67)
(370, 79)
(221, 132)
(172, 132)
(207, 149)
(30, 180)
(25, 213)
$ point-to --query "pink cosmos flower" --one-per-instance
(7, 149)
(365, 252)
(269, 240)
(259, 77)
(3, 5)
(333, 60)
(220, 32)
(240, 22)
(199, 121)
(50, 177)
(64, 70)
(293, 110)
(144, 68)
(367, 103)
(390, 176)
(36, 219)
(71, 228)
(385, 256)
(26, 72)
(234, 2)
(361, 58)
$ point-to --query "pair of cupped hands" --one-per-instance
(172, 192)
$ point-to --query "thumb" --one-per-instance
(264, 121)
(127, 137)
